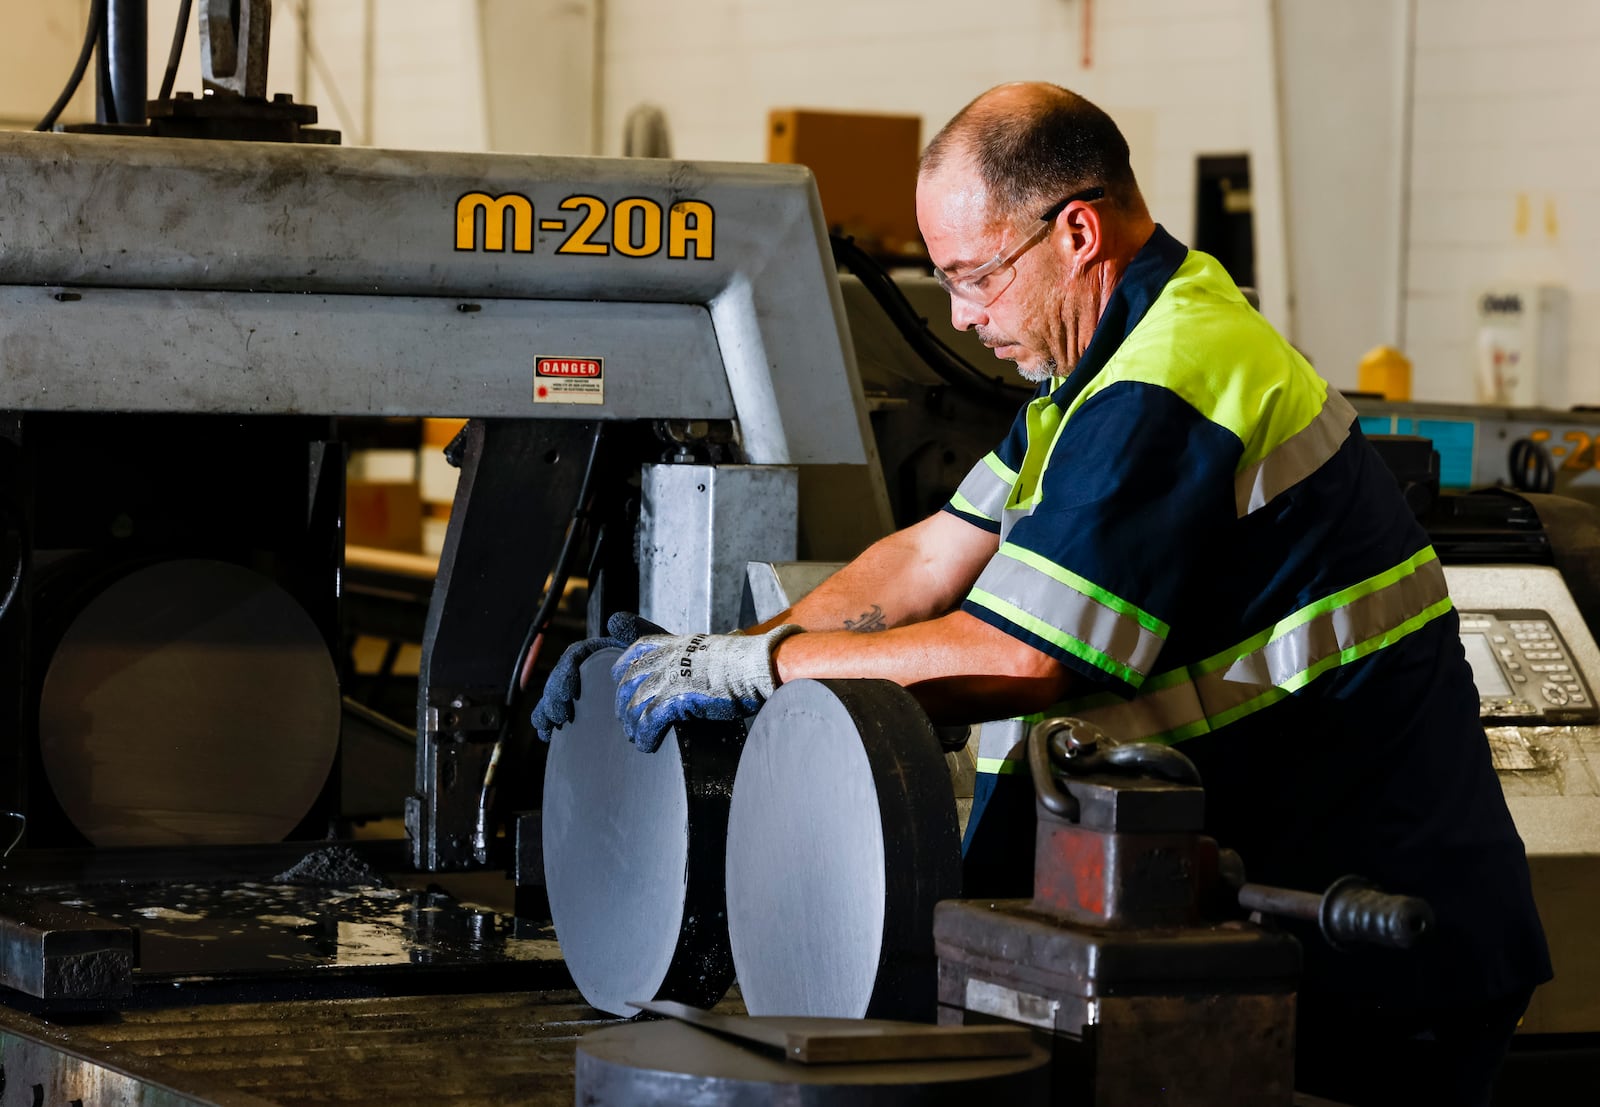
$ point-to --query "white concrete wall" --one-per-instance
(1505, 174)
(1184, 78)
(396, 73)
(1343, 78)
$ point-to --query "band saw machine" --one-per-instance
(657, 363)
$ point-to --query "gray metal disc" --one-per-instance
(190, 702)
(667, 1064)
(841, 838)
(633, 853)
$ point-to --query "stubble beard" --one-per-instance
(1032, 374)
(1038, 374)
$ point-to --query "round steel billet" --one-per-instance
(190, 702)
(667, 1064)
(841, 838)
(633, 853)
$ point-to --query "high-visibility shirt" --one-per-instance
(1192, 522)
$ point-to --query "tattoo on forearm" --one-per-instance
(870, 620)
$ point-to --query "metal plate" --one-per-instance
(665, 1064)
(841, 838)
(633, 854)
(191, 702)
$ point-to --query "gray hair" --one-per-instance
(1031, 154)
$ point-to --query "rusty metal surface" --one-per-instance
(1194, 1050)
(980, 939)
(470, 1049)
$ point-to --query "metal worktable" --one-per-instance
(512, 1047)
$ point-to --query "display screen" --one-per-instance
(1486, 672)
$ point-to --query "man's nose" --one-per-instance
(963, 315)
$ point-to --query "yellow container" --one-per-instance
(1386, 371)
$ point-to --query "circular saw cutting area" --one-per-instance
(190, 702)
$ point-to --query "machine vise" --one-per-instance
(1133, 960)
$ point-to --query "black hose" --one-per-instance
(950, 366)
(540, 623)
(106, 94)
(90, 37)
(563, 566)
(170, 77)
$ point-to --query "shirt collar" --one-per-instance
(1147, 274)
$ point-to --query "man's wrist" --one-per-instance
(782, 673)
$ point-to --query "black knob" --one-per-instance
(1355, 911)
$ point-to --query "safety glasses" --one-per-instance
(983, 285)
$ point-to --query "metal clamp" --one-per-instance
(1073, 747)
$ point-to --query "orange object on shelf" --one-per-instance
(384, 515)
(866, 170)
(1386, 371)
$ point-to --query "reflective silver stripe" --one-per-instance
(1000, 747)
(1323, 636)
(1293, 461)
(984, 490)
(1011, 516)
(1071, 613)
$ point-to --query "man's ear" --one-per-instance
(1079, 235)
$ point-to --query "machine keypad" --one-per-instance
(1519, 643)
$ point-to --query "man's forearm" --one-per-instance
(960, 668)
(911, 576)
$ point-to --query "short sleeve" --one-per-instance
(1096, 571)
(985, 489)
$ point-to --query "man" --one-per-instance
(1184, 538)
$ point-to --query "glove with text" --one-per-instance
(664, 679)
(554, 708)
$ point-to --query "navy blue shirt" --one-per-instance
(1192, 522)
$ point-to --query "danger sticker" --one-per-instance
(568, 380)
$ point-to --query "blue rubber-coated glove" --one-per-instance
(554, 708)
(666, 678)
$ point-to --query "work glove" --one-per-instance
(664, 679)
(554, 708)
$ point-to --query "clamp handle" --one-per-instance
(1350, 911)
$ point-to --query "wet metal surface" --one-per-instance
(210, 935)
(53, 952)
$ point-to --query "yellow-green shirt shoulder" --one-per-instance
(1202, 340)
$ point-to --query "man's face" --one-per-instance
(1024, 323)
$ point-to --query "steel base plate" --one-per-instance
(668, 1064)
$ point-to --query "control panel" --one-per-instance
(1523, 669)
